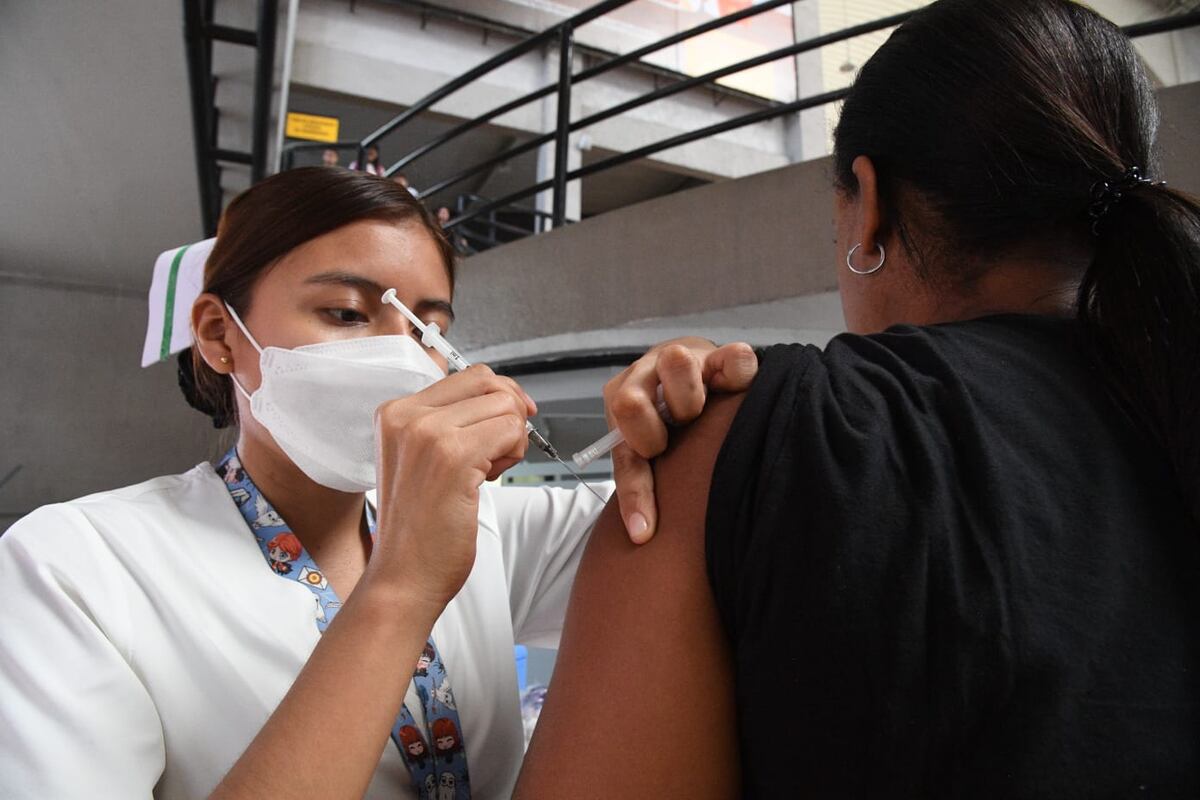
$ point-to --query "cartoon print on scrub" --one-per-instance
(413, 746)
(446, 786)
(282, 550)
(286, 556)
(443, 694)
(423, 662)
(234, 475)
(266, 516)
(446, 741)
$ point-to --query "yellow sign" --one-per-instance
(312, 127)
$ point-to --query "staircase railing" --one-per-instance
(563, 34)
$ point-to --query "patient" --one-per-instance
(957, 553)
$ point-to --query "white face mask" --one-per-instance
(319, 401)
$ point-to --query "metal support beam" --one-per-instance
(199, 33)
(562, 130)
(264, 76)
(233, 156)
(199, 84)
(224, 33)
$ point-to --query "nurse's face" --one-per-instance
(329, 289)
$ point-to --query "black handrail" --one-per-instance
(491, 224)
(1164, 25)
(591, 72)
(1152, 27)
(650, 149)
(667, 91)
(264, 69)
(564, 33)
(495, 62)
(199, 33)
(566, 42)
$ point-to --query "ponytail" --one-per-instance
(1139, 306)
(206, 390)
(1067, 100)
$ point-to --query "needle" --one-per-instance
(431, 336)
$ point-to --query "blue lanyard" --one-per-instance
(437, 773)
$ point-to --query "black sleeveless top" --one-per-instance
(948, 566)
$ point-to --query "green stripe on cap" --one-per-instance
(169, 307)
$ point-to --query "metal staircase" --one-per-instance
(199, 33)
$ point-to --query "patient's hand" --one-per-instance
(686, 369)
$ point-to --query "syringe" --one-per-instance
(431, 336)
(609, 441)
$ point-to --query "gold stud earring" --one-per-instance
(224, 359)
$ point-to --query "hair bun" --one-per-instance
(195, 396)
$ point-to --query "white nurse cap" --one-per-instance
(178, 281)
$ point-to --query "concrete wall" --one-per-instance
(96, 178)
(79, 415)
(736, 243)
(1179, 136)
(747, 241)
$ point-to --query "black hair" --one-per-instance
(990, 122)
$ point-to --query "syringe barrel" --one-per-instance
(601, 447)
(432, 337)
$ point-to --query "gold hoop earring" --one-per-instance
(872, 270)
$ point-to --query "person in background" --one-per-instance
(443, 216)
(374, 166)
(402, 179)
(956, 554)
(329, 157)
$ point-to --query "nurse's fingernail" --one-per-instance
(637, 527)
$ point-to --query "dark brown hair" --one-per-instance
(990, 122)
(265, 223)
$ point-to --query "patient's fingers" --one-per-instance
(731, 367)
(635, 493)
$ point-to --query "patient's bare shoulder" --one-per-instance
(641, 703)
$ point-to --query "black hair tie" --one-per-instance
(1106, 193)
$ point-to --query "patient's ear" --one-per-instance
(868, 214)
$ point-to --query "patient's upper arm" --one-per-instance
(641, 704)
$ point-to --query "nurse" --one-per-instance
(266, 626)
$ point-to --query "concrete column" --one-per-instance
(806, 132)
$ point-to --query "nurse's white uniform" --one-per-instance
(144, 640)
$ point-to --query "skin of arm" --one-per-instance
(641, 703)
(353, 685)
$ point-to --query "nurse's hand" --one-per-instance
(686, 369)
(435, 448)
